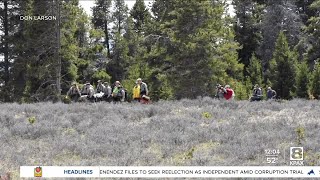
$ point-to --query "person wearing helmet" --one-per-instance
(74, 92)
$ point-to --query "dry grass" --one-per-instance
(202, 132)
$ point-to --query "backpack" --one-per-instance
(257, 92)
(119, 95)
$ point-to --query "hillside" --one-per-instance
(186, 132)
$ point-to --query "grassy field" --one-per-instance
(202, 132)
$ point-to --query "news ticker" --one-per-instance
(170, 171)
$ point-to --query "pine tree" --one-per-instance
(306, 12)
(92, 65)
(119, 16)
(304, 9)
(134, 43)
(141, 16)
(302, 80)
(199, 58)
(118, 67)
(255, 70)
(247, 33)
(315, 82)
(249, 86)
(282, 70)
(34, 66)
(73, 42)
(40, 44)
(8, 25)
(278, 16)
(101, 20)
(160, 9)
(313, 30)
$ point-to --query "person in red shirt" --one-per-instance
(229, 95)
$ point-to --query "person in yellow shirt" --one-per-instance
(136, 92)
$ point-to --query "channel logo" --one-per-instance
(296, 153)
(296, 156)
(38, 172)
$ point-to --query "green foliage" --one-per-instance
(198, 57)
(32, 119)
(248, 14)
(119, 16)
(240, 90)
(282, 70)
(277, 16)
(165, 90)
(35, 53)
(206, 115)
(72, 41)
(26, 93)
(66, 99)
(101, 20)
(181, 51)
(141, 16)
(305, 9)
(300, 134)
(118, 67)
(313, 29)
(249, 86)
(315, 82)
(101, 75)
(254, 70)
(302, 80)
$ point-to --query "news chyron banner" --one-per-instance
(170, 171)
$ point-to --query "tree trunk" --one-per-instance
(58, 70)
(106, 36)
(119, 23)
(6, 43)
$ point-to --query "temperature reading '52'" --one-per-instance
(272, 160)
(272, 155)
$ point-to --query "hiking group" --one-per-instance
(140, 92)
(104, 92)
(228, 94)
